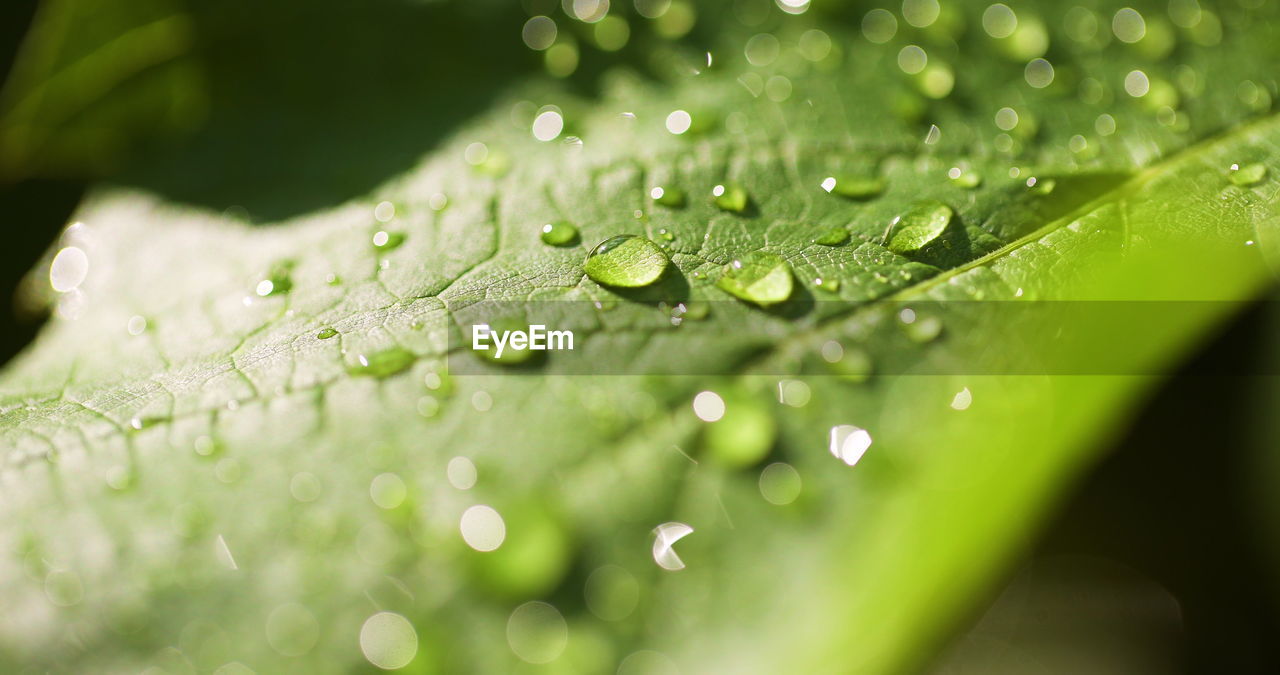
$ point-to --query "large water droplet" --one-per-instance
(832, 237)
(1246, 175)
(386, 241)
(730, 197)
(760, 277)
(853, 186)
(559, 233)
(672, 198)
(626, 261)
(915, 229)
(384, 363)
(965, 179)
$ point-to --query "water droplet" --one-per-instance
(666, 234)
(853, 186)
(383, 363)
(388, 641)
(537, 632)
(1247, 175)
(965, 179)
(827, 284)
(730, 197)
(832, 237)
(919, 226)
(136, 325)
(326, 333)
(672, 198)
(386, 241)
(780, 484)
(921, 329)
(1041, 187)
(69, 269)
(665, 537)
(482, 528)
(626, 261)
(760, 277)
(559, 233)
(848, 443)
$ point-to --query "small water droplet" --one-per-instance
(626, 261)
(1247, 175)
(918, 227)
(851, 186)
(849, 443)
(832, 237)
(827, 284)
(672, 198)
(666, 234)
(383, 363)
(730, 197)
(965, 179)
(760, 277)
(559, 233)
(386, 241)
(326, 333)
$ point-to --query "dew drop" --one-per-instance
(965, 179)
(326, 333)
(827, 284)
(1247, 175)
(853, 186)
(672, 198)
(730, 197)
(626, 261)
(559, 233)
(832, 237)
(918, 227)
(760, 277)
(69, 268)
(383, 363)
(387, 241)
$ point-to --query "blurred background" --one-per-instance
(1163, 558)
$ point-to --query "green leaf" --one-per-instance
(199, 472)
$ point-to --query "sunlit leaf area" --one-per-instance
(639, 336)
